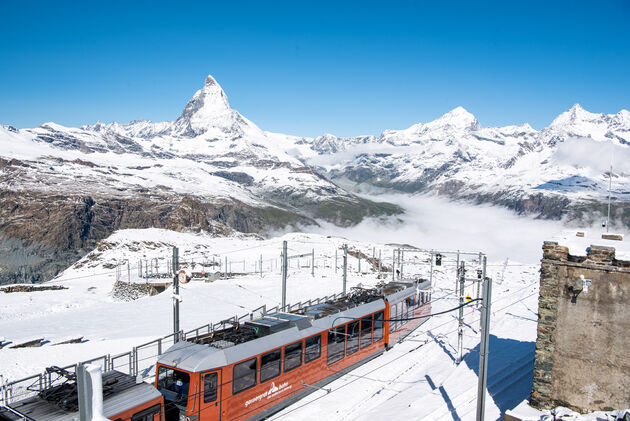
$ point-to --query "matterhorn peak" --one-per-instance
(210, 81)
(209, 107)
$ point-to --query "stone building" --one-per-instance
(583, 345)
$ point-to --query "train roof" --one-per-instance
(273, 330)
(120, 393)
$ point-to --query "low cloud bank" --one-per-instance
(588, 153)
(436, 223)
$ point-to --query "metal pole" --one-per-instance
(484, 346)
(128, 273)
(373, 256)
(379, 261)
(313, 263)
(402, 262)
(284, 274)
(226, 267)
(176, 294)
(460, 330)
(393, 265)
(345, 267)
(482, 262)
(609, 188)
(457, 268)
(431, 271)
(261, 265)
(335, 260)
(359, 257)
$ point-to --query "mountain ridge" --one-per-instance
(213, 169)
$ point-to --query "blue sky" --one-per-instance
(309, 68)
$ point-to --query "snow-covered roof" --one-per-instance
(579, 241)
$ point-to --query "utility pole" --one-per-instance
(176, 294)
(484, 346)
(284, 274)
(460, 330)
(345, 267)
(313, 263)
(609, 190)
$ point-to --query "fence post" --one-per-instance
(284, 274)
(345, 267)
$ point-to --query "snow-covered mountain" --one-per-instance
(559, 171)
(212, 169)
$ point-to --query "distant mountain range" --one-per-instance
(63, 189)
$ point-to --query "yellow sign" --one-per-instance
(468, 299)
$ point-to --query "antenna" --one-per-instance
(609, 189)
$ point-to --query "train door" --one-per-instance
(210, 396)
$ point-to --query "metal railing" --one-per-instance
(137, 361)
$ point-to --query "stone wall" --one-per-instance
(583, 343)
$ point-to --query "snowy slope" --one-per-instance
(417, 379)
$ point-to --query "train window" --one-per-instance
(312, 348)
(210, 387)
(366, 331)
(147, 414)
(336, 344)
(173, 384)
(378, 326)
(292, 356)
(270, 365)
(244, 375)
(393, 316)
(353, 338)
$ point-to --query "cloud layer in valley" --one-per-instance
(436, 223)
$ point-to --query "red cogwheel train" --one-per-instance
(254, 369)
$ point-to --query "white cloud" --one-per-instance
(588, 153)
(436, 223)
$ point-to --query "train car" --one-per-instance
(252, 370)
(124, 399)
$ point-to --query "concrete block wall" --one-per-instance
(582, 356)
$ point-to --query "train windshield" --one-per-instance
(174, 385)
